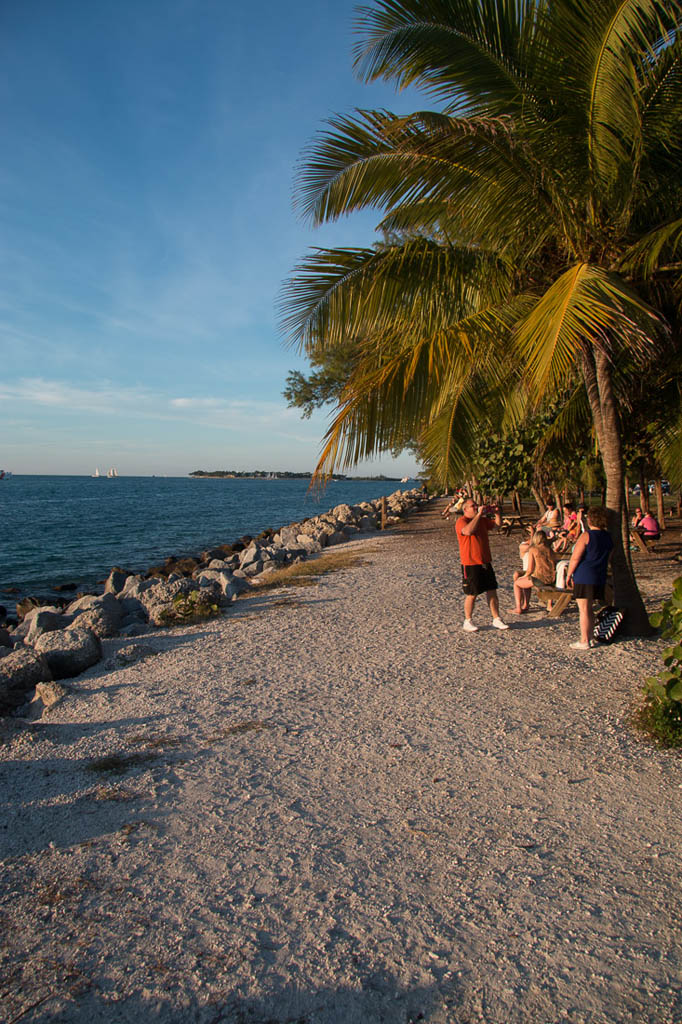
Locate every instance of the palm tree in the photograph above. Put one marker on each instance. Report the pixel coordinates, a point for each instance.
(527, 220)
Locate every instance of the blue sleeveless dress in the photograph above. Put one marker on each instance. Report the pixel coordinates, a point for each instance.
(592, 566)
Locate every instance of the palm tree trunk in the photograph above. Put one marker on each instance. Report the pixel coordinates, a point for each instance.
(599, 385)
(538, 497)
(643, 488)
(658, 487)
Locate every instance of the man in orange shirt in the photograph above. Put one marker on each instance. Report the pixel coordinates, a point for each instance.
(478, 577)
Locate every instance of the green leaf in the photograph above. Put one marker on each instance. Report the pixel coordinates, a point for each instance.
(674, 689)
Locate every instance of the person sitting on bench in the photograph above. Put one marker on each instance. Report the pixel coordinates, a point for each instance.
(550, 520)
(648, 527)
(540, 567)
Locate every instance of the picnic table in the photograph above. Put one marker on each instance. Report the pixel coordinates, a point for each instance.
(509, 522)
(646, 545)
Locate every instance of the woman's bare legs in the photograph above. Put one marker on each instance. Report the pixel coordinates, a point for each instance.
(522, 588)
(586, 613)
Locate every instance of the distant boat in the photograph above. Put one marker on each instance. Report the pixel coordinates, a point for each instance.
(5, 474)
(96, 474)
(112, 474)
(404, 479)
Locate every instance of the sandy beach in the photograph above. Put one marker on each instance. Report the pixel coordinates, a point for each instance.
(333, 806)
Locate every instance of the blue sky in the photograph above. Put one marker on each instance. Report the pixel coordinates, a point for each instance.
(146, 227)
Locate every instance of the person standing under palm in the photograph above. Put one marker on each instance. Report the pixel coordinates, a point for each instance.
(587, 571)
(478, 577)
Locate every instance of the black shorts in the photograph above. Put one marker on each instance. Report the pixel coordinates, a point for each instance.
(590, 591)
(477, 579)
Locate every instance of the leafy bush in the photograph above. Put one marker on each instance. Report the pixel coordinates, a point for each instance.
(188, 608)
(661, 714)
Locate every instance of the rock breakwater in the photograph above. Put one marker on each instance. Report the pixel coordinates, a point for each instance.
(56, 641)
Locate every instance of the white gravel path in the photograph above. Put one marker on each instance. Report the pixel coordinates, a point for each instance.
(345, 809)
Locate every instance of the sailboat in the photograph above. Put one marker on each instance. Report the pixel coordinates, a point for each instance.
(112, 473)
(96, 474)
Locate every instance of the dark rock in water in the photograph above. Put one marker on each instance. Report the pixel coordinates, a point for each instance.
(59, 587)
(28, 603)
(214, 553)
(185, 566)
(9, 590)
(20, 672)
(68, 652)
(238, 546)
(246, 539)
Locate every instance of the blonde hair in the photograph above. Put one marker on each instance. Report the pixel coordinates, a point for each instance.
(540, 540)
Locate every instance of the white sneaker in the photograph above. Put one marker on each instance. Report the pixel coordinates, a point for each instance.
(581, 645)
(499, 624)
(469, 627)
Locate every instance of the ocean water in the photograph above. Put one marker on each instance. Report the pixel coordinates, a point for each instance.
(72, 529)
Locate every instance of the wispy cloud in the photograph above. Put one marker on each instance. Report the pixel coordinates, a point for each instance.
(214, 412)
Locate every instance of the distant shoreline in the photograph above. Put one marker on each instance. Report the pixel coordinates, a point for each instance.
(200, 474)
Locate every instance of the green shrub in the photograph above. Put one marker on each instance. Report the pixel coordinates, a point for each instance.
(187, 608)
(661, 713)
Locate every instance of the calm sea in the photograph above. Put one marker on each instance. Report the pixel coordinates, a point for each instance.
(72, 529)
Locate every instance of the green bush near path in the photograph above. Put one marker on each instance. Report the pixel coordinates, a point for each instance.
(188, 608)
(661, 714)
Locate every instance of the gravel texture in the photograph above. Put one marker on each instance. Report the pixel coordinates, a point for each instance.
(333, 806)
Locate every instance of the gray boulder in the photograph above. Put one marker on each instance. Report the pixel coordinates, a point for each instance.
(135, 586)
(68, 652)
(102, 614)
(308, 544)
(132, 608)
(45, 621)
(343, 513)
(250, 555)
(288, 534)
(20, 671)
(338, 537)
(237, 585)
(116, 581)
(218, 563)
(367, 524)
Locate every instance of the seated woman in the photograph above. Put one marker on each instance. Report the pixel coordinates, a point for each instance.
(540, 567)
(636, 519)
(648, 526)
(570, 531)
(550, 521)
(524, 548)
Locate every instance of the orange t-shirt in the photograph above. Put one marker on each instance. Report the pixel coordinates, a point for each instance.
(474, 549)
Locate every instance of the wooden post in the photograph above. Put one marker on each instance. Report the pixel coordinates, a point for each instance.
(383, 513)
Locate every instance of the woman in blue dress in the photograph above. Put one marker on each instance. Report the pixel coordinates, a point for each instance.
(587, 572)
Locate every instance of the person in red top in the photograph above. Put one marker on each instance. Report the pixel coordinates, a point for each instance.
(472, 530)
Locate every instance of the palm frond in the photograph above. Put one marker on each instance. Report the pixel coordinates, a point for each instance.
(472, 56)
(585, 306)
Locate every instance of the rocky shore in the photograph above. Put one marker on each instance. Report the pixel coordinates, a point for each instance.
(48, 642)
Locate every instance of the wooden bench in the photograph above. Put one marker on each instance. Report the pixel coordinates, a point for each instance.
(562, 598)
